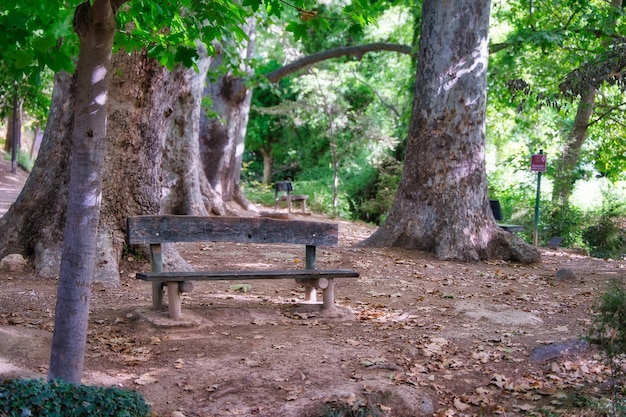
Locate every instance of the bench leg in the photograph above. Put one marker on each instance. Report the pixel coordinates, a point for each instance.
(328, 296)
(157, 296)
(310, 294)
(173, 298)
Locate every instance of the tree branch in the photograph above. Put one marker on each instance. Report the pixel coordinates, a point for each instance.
(357, 51)
(381, 98)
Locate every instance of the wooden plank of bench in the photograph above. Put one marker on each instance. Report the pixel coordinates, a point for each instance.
(171, 228)
(512, 227)
(245, 275)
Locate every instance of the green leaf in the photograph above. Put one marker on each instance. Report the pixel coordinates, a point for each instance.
(23, 59)
(186, 55)
(298, 30)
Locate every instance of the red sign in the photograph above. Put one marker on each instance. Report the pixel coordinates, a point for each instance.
(538, 162)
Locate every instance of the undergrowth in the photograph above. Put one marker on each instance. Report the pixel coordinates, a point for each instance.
(34, 397)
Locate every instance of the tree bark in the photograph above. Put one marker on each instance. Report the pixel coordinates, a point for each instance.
(222, 138)
(95, 26)
(143, 100)
(268, 163)
(565, 176)
(34, 224)
(441, 205)
(185, 188)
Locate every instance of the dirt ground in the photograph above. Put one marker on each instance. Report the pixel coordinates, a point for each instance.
(415, 336)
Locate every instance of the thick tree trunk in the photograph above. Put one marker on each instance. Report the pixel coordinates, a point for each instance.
(143, 99)
(222, 138)
(34, 224)
(441, 205)
(185, 187)
(96, 27)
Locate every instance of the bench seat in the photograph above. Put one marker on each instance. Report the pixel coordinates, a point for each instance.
(246, 275)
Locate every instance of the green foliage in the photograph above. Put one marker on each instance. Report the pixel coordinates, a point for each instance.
(567, 222)
(23, 398)
(259, 193)
(606, 236)
(372, 193)
(608, 332)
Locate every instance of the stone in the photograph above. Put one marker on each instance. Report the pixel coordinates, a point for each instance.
(565, 275)
(13, 263)
(552, 351)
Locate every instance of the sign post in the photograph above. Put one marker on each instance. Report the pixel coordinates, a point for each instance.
(538, 165)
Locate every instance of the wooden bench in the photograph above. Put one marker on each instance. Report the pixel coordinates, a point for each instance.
(155, 230)
(497, 214)
(287, 187)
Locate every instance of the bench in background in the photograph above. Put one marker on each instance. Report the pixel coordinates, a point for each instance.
(155, 230)
(497, 214)
(287, 188)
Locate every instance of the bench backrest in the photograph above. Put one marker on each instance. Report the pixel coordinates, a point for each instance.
(171, 228)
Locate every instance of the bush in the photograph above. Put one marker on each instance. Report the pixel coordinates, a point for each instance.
(607, 237)
(372, 198)
(608, 332)
(32, 397)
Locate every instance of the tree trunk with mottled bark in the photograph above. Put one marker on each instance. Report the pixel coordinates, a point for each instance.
(442, 205)
(222, 138)
(34, 224)
(95, 26)
(565, 176)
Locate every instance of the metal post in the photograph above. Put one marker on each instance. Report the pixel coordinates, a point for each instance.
(536, 228)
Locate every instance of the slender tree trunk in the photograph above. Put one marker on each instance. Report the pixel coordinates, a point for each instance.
(16, 129)
(268, 164)
(96, 27)
(441, 204)
(565, 176)
(33, 146)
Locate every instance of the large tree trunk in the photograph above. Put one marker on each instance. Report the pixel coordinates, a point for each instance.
(142, 102)
(222, 138)
(142, 98)
(96, 27)
(441, 205)
(185, 187)
(34, 224)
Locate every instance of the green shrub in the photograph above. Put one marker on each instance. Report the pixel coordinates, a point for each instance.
(567, 222)
(32, 397)
(606, 238)
(608, 332)
(372, 198)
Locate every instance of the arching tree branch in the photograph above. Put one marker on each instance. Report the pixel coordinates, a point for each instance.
(357, 51)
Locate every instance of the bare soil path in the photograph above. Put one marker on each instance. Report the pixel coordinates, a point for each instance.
(418, 336)
(10, 184)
